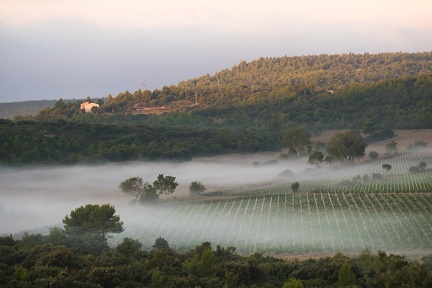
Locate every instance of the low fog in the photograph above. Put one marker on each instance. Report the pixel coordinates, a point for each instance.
(39, 198)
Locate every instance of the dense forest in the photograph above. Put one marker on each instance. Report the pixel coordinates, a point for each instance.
(56, 260)
(27, 142)
(243, 109)
(11, 109)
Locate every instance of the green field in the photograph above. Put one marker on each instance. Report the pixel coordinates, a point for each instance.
(392, 214)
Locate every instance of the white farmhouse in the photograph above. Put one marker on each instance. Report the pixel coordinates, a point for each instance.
(88, 106)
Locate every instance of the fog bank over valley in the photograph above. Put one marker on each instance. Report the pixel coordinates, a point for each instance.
(32, 198)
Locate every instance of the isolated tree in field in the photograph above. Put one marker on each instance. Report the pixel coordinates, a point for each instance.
(346, 146)
(297, 140)
(93, 220)
(316, 158)
(391, 148)
(165, 185)
(196, 188)
(387, 167)
(133, 186)
(144, 192)
(295, 186)
(419, 168)
(373, 155)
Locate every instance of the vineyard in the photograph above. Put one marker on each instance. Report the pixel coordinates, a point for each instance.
(392, 213)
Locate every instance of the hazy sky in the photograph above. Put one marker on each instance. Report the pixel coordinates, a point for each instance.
(53, 49)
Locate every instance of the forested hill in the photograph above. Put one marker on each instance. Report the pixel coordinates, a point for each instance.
(304, 75)
(272, 82)
(10, 109)
(245, 109)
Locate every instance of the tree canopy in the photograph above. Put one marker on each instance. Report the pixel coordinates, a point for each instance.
(144, 192)
(316, 158)
(346, 146)
(196, 187)
(165, 185)
(297, 140)
(133, 186)
(93, 219)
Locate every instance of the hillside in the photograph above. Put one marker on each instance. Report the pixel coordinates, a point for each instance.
(226, 113)
(11, 109)
(279, 78)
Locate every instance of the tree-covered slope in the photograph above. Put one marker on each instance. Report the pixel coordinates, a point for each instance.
(288, 76)
(11, 109)
(244, 109)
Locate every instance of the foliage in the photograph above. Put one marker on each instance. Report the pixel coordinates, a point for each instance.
(28, 142)
(373, 155)
(144, 192)
(165, 185)
(386, 167)
(149, 194)
(346, 275)
(127, 265)
(295, 186)
(346, 146)
(316, 158)
(12, 109)
(379, 135)
(128, 246)
(297, 140)
(92, 220)
(417, 145)
(196, 187)
(236, 113)
(419, 168)
(390, 270)
(293, 283)
(133, 186)
(160, 243)
(391, 148)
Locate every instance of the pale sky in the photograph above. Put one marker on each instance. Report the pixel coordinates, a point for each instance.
(51, 49)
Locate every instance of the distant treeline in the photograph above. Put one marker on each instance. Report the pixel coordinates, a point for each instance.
(26, 142)
(11, 109)
(402, 103)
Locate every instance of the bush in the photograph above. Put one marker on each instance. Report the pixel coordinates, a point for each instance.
(295, 186)
(196, 188)
(417, 145)
(419, 168)
(373, 155)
